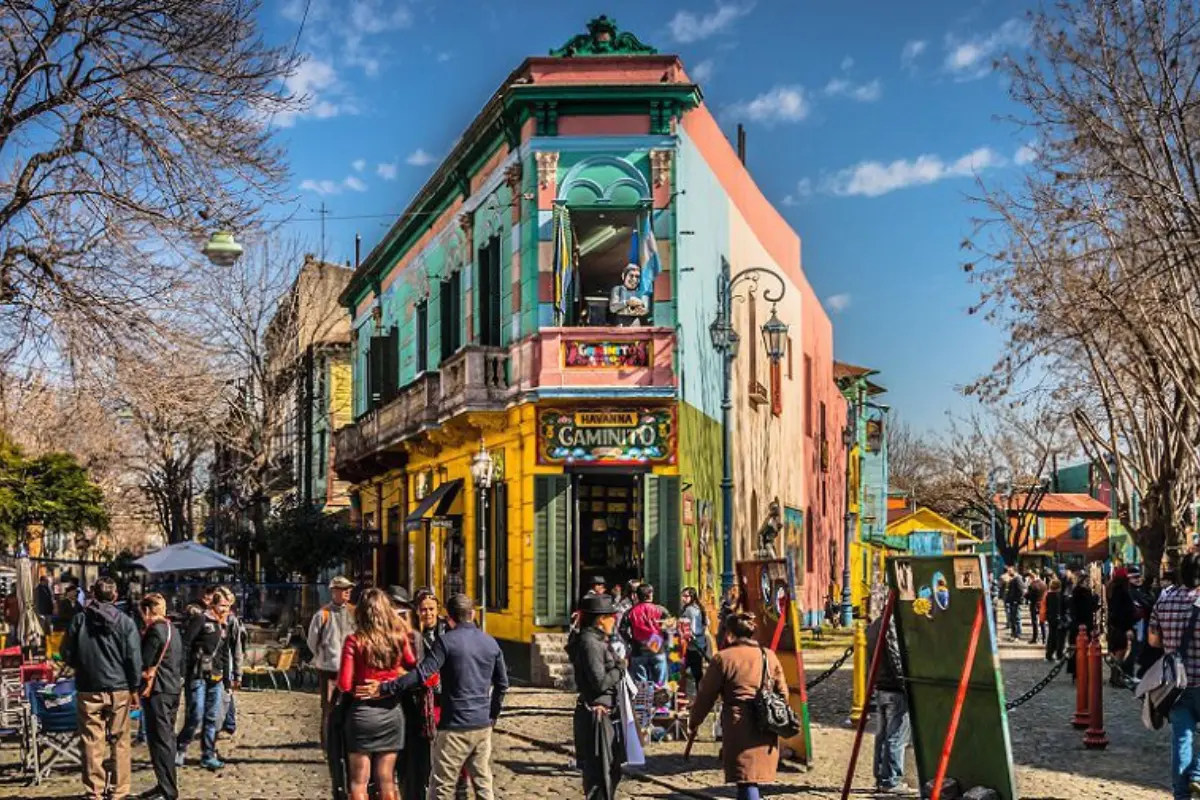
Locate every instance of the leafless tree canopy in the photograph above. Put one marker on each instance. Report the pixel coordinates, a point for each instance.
(127, 128)
(1092, 266)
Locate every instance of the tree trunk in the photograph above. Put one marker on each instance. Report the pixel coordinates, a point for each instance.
(1151, 541)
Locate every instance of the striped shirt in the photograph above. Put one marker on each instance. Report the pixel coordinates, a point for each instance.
(1169, 619)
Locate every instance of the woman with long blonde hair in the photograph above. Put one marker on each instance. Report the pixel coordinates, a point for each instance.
(379, 650)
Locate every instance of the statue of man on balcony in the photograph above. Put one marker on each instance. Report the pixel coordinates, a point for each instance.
(627, 306)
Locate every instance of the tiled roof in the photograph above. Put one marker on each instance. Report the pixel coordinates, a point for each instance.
(1061, 503)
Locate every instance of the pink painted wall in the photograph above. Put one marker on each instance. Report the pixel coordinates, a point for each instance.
(778, 457)
(596, 125)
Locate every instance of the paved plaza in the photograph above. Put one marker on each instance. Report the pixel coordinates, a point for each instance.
(275, 754)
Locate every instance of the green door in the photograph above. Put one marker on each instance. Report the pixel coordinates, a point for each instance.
(552, 562)
(664, 567)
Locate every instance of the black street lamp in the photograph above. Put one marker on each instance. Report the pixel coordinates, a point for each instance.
(725, 341)
(482, 467)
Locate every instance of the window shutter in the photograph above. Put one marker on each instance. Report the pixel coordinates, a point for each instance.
(551, 545)
(661, 512)
(498, 594)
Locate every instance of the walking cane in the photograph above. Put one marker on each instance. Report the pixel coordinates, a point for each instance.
(687, 751)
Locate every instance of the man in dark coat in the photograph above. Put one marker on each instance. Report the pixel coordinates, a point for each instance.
(599, 747)
(162, 683)
(104, 649)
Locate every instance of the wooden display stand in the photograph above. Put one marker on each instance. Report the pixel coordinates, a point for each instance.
(767, 593)
(951, 663)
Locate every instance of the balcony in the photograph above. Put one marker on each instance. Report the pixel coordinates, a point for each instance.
(473, 379)
(583, 361)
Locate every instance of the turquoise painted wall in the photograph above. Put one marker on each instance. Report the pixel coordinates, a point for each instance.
(704, 209)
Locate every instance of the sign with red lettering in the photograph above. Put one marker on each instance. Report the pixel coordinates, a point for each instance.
(582, 353)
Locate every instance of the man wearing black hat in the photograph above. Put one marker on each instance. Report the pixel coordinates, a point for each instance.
(599, 746)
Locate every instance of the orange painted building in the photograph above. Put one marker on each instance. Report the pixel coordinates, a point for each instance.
(1072, 526)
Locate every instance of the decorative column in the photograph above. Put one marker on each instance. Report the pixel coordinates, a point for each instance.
(547, 190)
(466, 226)
(514, 176)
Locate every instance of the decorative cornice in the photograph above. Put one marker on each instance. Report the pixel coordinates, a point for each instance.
(603, 38)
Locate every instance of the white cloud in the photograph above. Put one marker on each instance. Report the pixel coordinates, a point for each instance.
(847, 64)
(419, 158)
(703, 72)
(322, 187)
(1025, 155)
(913, 48)
(351, 30)
(316, 85)
(862, 92)
(780, 104)
(326, 186)
(968, 59)
(373, 16)
(790, 200)
(687, 27)
(442, 58)
(838, 303)
(386, 170)
(874, 178)
(358, 164)
(804, 187)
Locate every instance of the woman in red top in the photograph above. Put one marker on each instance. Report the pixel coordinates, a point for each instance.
(378, 650)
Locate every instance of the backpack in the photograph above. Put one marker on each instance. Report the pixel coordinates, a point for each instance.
(1165, 681)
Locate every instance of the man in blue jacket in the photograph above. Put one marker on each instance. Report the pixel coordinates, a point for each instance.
(474, 681)
(105, 650)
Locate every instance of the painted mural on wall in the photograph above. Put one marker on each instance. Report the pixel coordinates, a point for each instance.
(607, 436)
(793, 546)
(586, 353)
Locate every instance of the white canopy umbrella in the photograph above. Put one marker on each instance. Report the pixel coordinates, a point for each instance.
(185, 557)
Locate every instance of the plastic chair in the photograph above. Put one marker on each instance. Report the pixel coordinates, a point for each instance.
(283, 662)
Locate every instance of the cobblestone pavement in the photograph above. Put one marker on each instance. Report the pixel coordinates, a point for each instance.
(276, 756)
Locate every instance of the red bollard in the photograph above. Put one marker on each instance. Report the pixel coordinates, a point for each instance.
(1095, 738)
(1082, 719)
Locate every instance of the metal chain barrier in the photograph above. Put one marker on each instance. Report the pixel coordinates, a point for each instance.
(1042, 684)
(810, 685)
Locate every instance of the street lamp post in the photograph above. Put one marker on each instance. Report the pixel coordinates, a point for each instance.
(995, 550)
(222, 249)
(725, 341)
(849, 435)
(481, 473)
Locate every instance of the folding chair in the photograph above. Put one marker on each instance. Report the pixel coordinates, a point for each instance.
(53, 726)
(15, 724)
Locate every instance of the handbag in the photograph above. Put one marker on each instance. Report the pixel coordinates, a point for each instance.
(771, 709)
(1166, 680)
(152, 673)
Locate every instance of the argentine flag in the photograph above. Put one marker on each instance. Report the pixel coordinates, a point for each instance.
(648, 254)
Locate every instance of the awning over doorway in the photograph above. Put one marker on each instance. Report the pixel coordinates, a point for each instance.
(436, 503)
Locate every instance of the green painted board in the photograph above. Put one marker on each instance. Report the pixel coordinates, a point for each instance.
(936, 602)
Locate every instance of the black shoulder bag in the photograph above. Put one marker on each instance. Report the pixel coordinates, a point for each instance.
(771, 709)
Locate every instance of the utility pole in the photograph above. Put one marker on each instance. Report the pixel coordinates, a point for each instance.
(322, 212)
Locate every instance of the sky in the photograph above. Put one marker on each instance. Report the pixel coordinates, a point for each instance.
(869, 125)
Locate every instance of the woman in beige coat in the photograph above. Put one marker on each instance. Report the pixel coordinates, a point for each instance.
(734, 675)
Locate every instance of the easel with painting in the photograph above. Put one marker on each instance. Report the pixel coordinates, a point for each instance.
(767, 592)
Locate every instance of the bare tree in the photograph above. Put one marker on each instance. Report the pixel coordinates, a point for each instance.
(912, 462)
(1092, 266)
(995, 463)
(258, 320)
(124, 126)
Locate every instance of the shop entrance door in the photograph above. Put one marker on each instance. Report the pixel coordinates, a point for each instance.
(609, 529)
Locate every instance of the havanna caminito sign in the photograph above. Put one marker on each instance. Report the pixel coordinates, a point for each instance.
(606, 437)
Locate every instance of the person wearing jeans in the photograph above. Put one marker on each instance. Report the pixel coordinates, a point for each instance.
(892, 726)
(644, 621)
(1173, 627)
(206, 659)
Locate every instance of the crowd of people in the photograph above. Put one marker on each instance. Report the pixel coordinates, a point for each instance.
(622, 637)
(409, 695)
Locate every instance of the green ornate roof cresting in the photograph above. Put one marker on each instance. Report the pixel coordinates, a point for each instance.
(604, 39)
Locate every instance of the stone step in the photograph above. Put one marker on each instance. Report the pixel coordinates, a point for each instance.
(550, 666)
